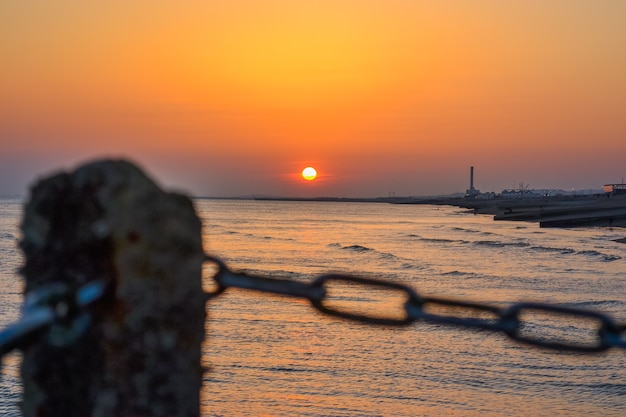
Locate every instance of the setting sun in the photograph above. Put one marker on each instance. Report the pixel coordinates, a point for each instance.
(309, 173)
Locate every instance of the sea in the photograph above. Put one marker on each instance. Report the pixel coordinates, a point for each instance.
(275, 355)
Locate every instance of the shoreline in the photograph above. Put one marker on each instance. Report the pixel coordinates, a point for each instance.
(563, 211)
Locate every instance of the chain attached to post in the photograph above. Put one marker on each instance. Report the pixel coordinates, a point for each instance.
(54, 312)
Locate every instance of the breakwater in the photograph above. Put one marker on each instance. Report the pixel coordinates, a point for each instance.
(583, 211)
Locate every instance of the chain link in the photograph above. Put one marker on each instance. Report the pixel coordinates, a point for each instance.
(543, 325)
(61, 315)
(54, 312)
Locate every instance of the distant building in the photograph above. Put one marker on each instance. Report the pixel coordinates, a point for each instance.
(486, 196)
(472, 192)
(521, 193)
(614, 189)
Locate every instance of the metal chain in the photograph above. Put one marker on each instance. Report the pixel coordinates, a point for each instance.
(62, 315)
(543, 325)
(55, 312)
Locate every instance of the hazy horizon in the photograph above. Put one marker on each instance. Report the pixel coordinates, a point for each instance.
(236, 98)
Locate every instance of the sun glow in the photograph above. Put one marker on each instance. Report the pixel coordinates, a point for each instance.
(309, 173)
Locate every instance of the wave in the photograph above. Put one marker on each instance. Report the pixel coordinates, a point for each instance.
(602, 256)
(441, 240)
(386, 256)
(499, 244)
(519, 244)
(287, 369)
(462, 229)
(434, 239)
(456, 273)
(600, 304)
(412, 266)
(279, 273)
(590, 252)
(548, 249)
(488, 243)
(472, 231)
(357, 248)
(249, 235)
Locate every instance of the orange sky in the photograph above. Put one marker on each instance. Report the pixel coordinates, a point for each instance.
(236, 97)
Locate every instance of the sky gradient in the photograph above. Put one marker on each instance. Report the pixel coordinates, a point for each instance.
(398, 96)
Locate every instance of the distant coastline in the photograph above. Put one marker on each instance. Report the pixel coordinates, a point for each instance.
(591, 210)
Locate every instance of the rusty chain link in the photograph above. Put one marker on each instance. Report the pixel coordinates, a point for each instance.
(543, 325)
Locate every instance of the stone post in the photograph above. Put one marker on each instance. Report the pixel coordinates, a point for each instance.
(141, 354)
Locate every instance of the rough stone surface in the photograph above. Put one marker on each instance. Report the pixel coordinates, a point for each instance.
(142, 353)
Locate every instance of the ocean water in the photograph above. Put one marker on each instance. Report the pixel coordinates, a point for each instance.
(274, 355)
(10, 299)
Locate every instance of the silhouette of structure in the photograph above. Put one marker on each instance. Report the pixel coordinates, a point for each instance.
(614, 189)
(472, 192)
